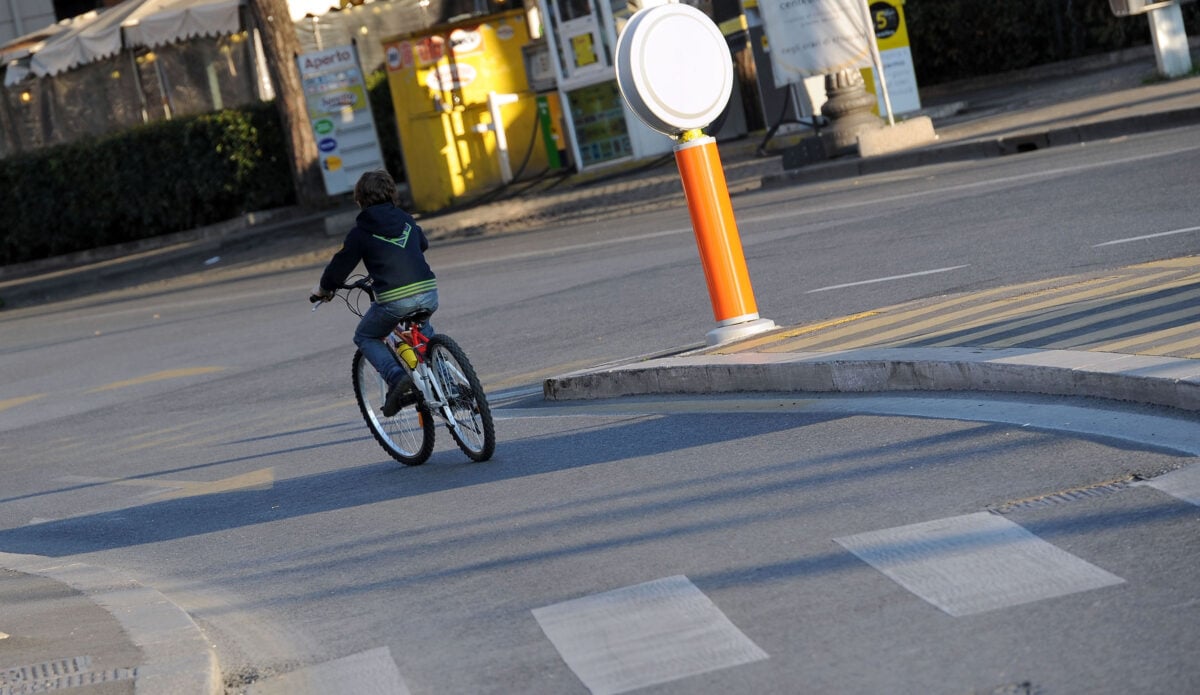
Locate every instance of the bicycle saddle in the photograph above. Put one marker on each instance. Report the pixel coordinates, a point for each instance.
(418, 316)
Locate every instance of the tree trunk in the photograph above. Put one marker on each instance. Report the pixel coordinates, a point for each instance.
(281, 47)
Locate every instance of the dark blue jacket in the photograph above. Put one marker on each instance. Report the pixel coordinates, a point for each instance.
(391, 245)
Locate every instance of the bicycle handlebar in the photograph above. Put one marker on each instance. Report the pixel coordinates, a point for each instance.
(363, 283)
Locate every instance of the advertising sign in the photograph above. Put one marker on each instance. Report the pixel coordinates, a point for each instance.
(814, 37)
(340, 113)
(891, 33)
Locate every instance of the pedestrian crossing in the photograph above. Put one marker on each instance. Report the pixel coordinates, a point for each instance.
(1183, 484)
(642, 635)
(1146, 309)
(667, 629)
(975, 563)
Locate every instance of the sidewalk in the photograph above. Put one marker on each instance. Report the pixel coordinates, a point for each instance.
(158, 644)
(68, 624)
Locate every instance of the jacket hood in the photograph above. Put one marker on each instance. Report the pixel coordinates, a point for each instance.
(385, 220)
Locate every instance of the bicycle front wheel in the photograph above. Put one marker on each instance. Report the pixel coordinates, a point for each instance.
(472, 430)
(408, 435)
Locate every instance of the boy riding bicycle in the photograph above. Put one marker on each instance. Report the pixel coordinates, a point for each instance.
(390, 244)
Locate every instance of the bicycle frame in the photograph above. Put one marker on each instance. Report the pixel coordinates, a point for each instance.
(409, 333)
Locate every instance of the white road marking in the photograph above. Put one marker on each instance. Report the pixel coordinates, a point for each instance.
(1182, 484)
(889, 278)
(645, 634)
(371, 671)
(1147, 236)
(975, 563)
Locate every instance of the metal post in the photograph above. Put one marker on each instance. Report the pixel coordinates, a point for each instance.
(717, 239)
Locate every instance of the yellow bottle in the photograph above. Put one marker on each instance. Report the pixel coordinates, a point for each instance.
(407, 354)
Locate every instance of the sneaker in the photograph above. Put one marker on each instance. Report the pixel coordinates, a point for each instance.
(402, 393)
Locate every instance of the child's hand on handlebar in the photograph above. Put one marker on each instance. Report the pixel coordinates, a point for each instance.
(319, 294)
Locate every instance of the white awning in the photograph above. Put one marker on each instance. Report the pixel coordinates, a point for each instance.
(160, 22)
(132, 23)
(90, 41)
(15, 54)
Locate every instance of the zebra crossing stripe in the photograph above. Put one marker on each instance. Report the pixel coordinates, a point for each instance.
(1182, 484)
(371, 671)
(975, 563)
(645, 634)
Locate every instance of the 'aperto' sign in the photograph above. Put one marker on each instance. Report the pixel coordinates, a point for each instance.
(340, 113)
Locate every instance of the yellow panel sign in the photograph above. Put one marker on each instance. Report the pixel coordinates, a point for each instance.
(585, 52)
(891, 31)
(891, 35)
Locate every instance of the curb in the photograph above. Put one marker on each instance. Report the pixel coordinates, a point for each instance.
(176, 657)
(985, 148)
(1158, 381)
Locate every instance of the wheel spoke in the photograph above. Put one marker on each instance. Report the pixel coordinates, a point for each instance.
(408, 435)
(471, 424)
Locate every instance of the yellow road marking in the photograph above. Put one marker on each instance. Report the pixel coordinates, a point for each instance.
(20, 400)
(497, 383)
(1089, 319)
(982, 316)
(1149, 338)
(175, 489)
(1178, 346)
(908, 314)
(753, 343)
(157, 376)
(978, 317)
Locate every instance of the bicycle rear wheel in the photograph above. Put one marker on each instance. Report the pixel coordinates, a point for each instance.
(408, 435)
(473, 430)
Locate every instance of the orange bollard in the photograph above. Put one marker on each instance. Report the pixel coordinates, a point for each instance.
(716, 232)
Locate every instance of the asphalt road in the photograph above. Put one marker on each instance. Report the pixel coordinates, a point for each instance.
(203, 439)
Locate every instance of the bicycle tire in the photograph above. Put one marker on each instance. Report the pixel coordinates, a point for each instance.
(408, 435)
(475, 433)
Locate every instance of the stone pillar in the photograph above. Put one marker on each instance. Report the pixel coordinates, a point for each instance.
(848, 111)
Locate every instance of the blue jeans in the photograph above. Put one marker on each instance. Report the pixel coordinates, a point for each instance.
(379, 320)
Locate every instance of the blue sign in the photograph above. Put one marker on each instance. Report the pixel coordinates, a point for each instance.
(327, 145)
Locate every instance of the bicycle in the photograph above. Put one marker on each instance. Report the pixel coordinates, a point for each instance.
(446, 385)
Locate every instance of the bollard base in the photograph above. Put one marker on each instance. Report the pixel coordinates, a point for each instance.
(727, 334)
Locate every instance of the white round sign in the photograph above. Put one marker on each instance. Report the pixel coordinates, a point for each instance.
(674, 68)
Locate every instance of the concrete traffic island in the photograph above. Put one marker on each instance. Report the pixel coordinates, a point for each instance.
(1161, 381)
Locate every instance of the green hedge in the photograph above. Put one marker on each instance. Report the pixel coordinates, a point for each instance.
(958, 39)
(156, 179)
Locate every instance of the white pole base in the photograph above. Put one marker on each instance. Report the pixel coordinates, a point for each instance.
(727, 334)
